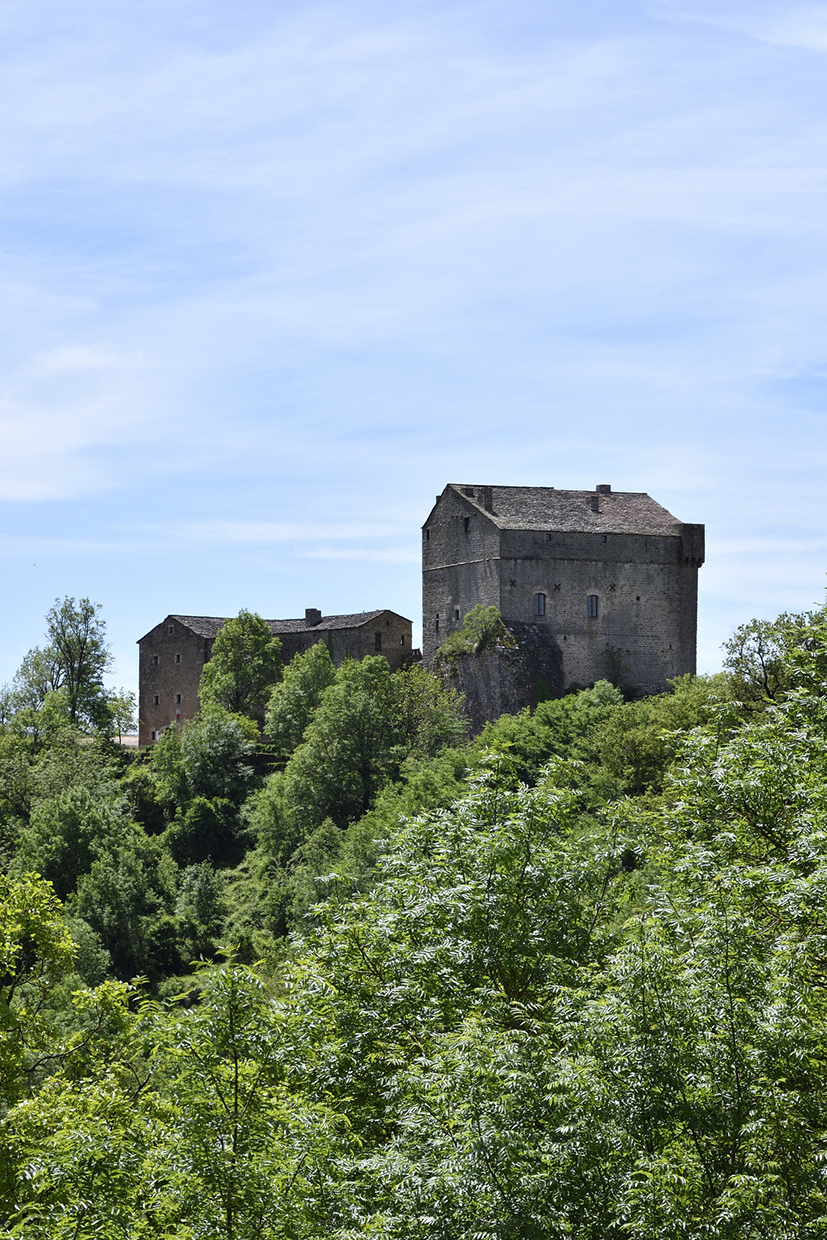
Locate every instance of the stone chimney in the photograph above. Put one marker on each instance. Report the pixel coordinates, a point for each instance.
(312, 616)
(595, 503)
(603, 488)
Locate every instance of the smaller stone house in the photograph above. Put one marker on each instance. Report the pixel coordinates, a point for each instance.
(173, 654)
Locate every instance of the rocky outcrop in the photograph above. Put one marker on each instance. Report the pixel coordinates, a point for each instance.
(501, 680)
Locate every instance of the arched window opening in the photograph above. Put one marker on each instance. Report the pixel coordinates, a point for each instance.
(539, 604)
(591, 606)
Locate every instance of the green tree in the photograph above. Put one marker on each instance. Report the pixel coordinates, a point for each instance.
(119, 714)
(294, 700)
(244, 665)
(79, 655)
(36, 950)
(66, 833)
(352, 747)
(181, 1122)
(759, 656)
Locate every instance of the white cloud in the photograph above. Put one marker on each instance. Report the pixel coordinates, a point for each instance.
(252, 532)
(73, 357)
(769, 21)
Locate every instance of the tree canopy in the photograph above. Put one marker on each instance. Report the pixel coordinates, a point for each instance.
(244, 665)
(562, 980)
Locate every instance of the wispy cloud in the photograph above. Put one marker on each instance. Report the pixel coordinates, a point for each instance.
(769, 21)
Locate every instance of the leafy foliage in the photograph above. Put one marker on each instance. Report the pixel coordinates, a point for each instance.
(244, 665)
(482, 628)
(295, 699)
(566, 979)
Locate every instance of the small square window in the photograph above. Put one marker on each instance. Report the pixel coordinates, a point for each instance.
(548, 537)
(170, 628)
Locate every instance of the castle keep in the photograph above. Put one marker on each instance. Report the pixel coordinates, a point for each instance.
(173, 654)
(593, 585)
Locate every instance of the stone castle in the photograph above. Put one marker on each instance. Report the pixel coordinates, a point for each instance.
(593, 585)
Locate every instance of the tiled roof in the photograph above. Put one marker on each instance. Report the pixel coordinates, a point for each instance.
(204, 626)
(208, 626)
(546, 508)
(327, 622)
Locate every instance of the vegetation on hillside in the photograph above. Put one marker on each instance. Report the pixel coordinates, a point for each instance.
(318, 963)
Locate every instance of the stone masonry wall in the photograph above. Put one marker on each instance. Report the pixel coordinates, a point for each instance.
(171, 659)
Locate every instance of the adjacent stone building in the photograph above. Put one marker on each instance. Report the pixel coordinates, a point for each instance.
(173, 654)
(593, 584)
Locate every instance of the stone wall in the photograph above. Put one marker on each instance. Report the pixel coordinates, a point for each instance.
(171, 659)
(394, 634)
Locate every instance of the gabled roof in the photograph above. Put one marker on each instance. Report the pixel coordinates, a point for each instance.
(208, 626)
(546, 508)
(353, 621)
(204, 626)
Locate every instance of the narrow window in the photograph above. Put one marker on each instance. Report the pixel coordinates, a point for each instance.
(539, 604)
(427, 535)
(178, 658)
(155, 660)
(377, 641)
(467, 524)
(436, 624)
(591, 604)
(170, 628)
(178, 699)
(548, 537)
(604, 537)
(157, 699)
(402, 640)
(456, 613)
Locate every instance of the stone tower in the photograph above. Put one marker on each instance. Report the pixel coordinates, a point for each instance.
(596, 584)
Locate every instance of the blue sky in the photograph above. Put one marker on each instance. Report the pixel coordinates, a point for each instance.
(274, 274)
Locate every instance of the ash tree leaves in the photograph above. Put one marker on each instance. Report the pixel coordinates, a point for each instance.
(35, 950)
(182, 1124)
